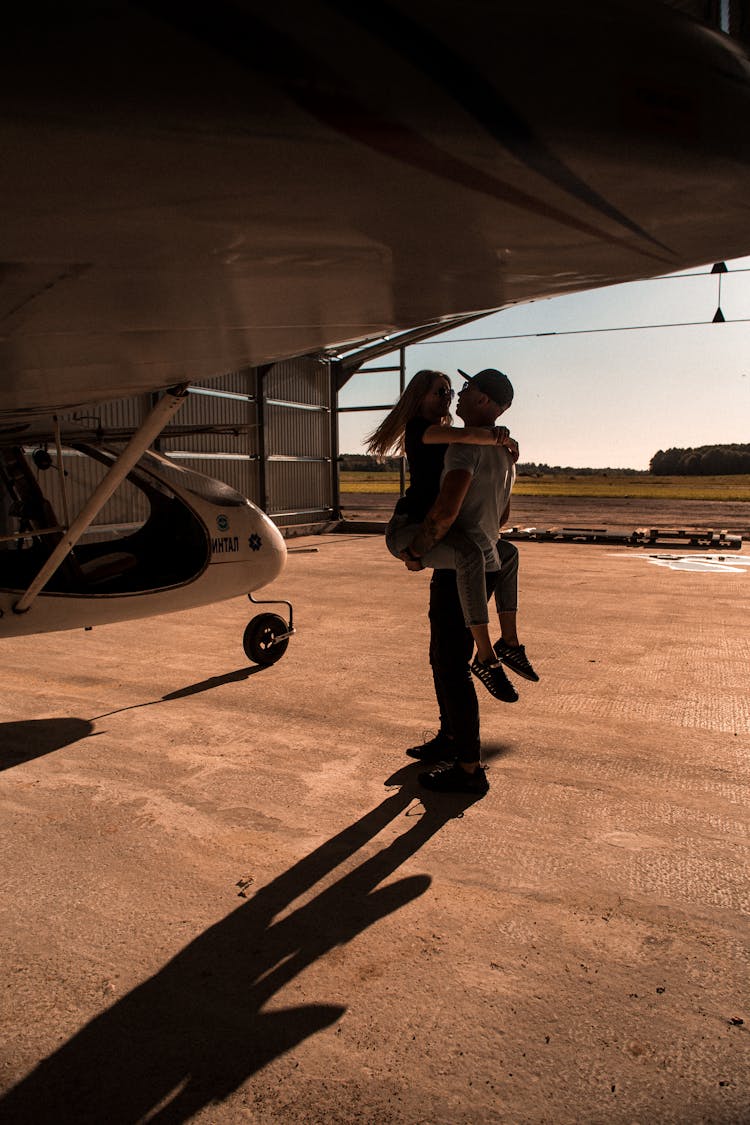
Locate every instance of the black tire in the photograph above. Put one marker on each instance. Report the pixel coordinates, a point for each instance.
(259, 640)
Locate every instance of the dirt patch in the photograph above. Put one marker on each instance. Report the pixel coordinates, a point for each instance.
(570, 511)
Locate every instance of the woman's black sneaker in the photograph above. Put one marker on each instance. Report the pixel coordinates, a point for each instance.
(494, 679)
(437, 749)
(455, 779)
(515, 658)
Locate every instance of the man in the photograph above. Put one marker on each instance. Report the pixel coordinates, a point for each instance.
(474, 496)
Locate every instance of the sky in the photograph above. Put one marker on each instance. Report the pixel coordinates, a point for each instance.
(600, 399)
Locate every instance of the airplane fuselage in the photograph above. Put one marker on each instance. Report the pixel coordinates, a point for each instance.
(201, 543)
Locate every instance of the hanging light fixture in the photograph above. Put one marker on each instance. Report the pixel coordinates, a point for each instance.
(719, 268)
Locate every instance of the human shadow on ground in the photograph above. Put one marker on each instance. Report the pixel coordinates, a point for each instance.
(200, 1027)
(33, 738)
(27, 739)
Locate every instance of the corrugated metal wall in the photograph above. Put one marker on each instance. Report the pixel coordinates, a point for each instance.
(82, 475)
(127, 506)
(298, 457)
(264, 431)
(219, 432)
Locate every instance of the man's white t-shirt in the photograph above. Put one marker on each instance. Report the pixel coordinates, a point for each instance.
(492, 475)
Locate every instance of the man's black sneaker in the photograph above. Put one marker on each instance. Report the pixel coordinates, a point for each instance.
(455, 779)
(494, 679)
(515, 658)
(437, 749)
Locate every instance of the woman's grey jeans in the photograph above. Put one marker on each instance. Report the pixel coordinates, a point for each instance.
(454, 552)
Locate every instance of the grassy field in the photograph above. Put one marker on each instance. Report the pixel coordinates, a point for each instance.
(640, 487)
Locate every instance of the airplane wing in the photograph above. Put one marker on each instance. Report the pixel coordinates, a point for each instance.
(188, 189)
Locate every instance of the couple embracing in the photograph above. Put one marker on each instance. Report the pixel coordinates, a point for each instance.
(460, 481)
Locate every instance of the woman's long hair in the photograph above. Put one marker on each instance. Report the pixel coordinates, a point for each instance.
(389, 436)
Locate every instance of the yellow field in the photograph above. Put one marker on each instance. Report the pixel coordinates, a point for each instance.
(641, 487)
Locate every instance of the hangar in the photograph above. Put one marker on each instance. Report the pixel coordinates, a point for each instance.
(269, 432)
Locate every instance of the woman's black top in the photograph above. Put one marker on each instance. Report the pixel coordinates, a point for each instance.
(425, 468)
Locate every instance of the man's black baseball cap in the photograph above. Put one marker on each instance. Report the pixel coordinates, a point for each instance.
(492, 383)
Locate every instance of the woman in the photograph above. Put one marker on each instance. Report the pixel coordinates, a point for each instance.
(420, 423)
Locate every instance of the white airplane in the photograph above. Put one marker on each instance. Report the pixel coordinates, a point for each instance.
(200, 542)
(189, 189)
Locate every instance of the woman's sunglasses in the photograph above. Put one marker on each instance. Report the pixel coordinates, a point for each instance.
(444, 392)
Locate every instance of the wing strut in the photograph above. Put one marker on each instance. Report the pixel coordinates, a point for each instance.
(165, 408)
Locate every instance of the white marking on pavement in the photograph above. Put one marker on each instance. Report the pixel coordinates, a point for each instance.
(716, 564)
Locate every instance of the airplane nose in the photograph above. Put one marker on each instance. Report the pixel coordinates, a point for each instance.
(279, 547)
(273, 548)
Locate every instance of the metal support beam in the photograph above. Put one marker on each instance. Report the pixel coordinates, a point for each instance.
(260, 416)
(61, 472)
(401, 389)
(17, 535)
(164, 409)
(350, 364)
(335, 481)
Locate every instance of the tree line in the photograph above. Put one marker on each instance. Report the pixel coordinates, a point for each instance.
(364, 462)
(703, 461)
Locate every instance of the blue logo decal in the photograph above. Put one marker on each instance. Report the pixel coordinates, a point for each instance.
(222, 523)
(254, 542)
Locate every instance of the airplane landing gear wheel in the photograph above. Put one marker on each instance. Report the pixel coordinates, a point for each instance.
(266, 638)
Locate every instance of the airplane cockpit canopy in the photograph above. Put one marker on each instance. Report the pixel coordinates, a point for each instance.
(168, 546)
(163, 470)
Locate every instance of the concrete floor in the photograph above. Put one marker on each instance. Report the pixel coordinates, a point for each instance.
(224, 901)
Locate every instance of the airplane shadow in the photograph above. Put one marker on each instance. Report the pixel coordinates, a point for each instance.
(27, 739)
(33, 738)
(199, 1028)
(192, 689)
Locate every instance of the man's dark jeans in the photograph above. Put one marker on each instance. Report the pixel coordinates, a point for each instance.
(451, 646)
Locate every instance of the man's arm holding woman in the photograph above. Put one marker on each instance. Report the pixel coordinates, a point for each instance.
(440, 518)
